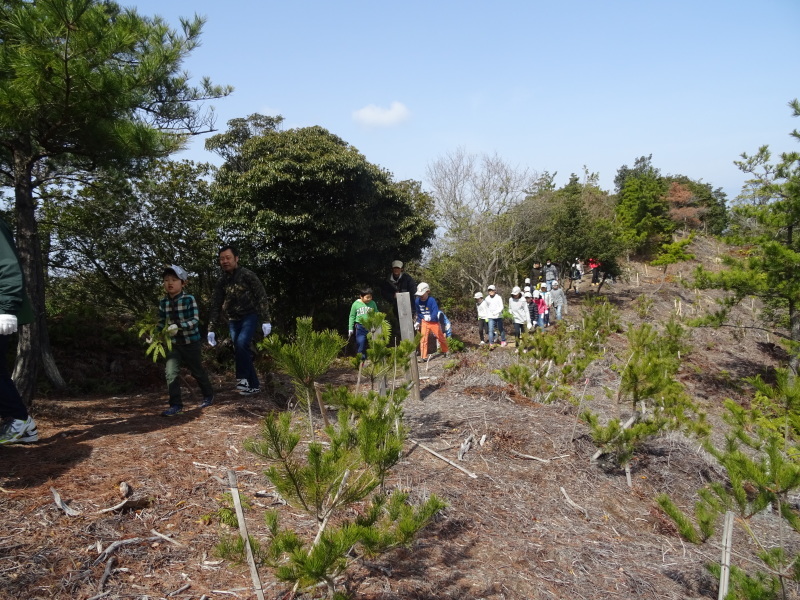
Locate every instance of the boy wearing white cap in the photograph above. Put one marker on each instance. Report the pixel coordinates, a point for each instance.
(518, 307)
(427, 311)
(178, 312)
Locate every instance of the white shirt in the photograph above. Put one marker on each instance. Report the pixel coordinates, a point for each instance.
(494, 306)
(482, 312)
(519, 310)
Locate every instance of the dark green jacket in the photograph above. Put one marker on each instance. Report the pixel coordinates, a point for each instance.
(238, 295)
(13, 299)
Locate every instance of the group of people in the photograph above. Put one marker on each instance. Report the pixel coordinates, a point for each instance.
(529, 307)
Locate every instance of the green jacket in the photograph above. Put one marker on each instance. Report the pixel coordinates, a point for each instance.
(13, 299)
(238, 295)
(359, 312)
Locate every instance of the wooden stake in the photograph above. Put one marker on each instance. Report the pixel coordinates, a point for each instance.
(727, 539)
(318, 390)
(237, 503)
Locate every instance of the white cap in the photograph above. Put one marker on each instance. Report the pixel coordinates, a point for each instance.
(527, 280)
(177, 271)
(398, 264)
(527, 288)
(537, 294)
(555, 283)
(515, 290)
(527, 294)
(422, 288)
(491, 287)
(478, 296)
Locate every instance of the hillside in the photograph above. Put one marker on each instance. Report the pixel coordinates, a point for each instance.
(521, 529)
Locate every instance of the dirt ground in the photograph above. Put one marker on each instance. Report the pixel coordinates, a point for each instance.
(521, 528)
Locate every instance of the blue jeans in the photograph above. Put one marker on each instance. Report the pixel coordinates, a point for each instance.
(558, 312)
(242, 332)
(361, 341)
(498, 324)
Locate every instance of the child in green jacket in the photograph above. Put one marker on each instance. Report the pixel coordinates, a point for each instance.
(358, 313)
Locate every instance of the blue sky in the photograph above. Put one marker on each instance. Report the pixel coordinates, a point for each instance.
(551, 86)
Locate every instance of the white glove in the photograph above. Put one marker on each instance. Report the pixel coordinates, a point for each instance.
(350, 333)
(172, 329)
(266, 328)
(427, 317)
(212, 338)
(416, 325)
(8, 324)
(530, 326)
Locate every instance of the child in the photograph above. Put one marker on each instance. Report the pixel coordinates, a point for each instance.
(548, 300)
(178, 311)
(427, 311)
(494, 310)
(358, 313)
(518, 307)
(483, 316)
(541, 308)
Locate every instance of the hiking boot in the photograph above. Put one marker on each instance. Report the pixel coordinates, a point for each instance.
(172, 411)
(15, 431)
(248, 391)
(241, 384)
(207, 401)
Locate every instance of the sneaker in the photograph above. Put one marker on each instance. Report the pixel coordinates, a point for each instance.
(207, 401)
(32, 435)
(14, 431)
(172, 411)
(482, 342)
(248, 391)
(503, 344)
(241, 384)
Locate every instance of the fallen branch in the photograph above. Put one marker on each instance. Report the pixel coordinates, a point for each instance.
(62, 505)
(577, 507)
(105, 554)
(183, 588)
(625, 426)
(106, 573)
(465, 446)
(130, 503)
(165, 537)
(447, 460)
(528, 456)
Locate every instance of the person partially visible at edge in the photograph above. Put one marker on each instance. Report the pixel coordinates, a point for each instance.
(594, 265)
(358, 314)
(494, 310)
(483, 317)
(398, 281)
(240, 297)
(178, 312)
(15, 309)
(427, 311)
(550, 272)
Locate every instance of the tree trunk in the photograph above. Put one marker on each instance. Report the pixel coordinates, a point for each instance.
(33, 348)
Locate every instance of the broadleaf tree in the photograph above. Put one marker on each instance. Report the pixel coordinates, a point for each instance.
(312, 215)
(85, 83)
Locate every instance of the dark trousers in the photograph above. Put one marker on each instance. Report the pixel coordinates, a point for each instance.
(483, 327)
(11, 404)
(187, 355)
(242, 332)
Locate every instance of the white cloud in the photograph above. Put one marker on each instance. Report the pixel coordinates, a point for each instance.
(376, 116)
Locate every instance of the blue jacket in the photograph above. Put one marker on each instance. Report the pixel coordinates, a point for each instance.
(428, 310)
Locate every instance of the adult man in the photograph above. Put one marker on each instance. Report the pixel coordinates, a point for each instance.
(15, 309)
(398, 281)
(240, 296)
(550, 272)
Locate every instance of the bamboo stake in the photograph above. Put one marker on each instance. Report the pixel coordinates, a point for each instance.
(318, 390)
(237, 503)
(727, 539)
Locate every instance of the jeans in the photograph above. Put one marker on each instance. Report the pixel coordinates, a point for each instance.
(189, 356)
(361, 340)
(496, 324)
(11, 404)
(558, 312)
(242, 332)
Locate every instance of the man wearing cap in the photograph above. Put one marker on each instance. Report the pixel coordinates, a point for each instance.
(398, 281)
(494, 310)
(550, 272)
(178, 312)
(241, 298)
